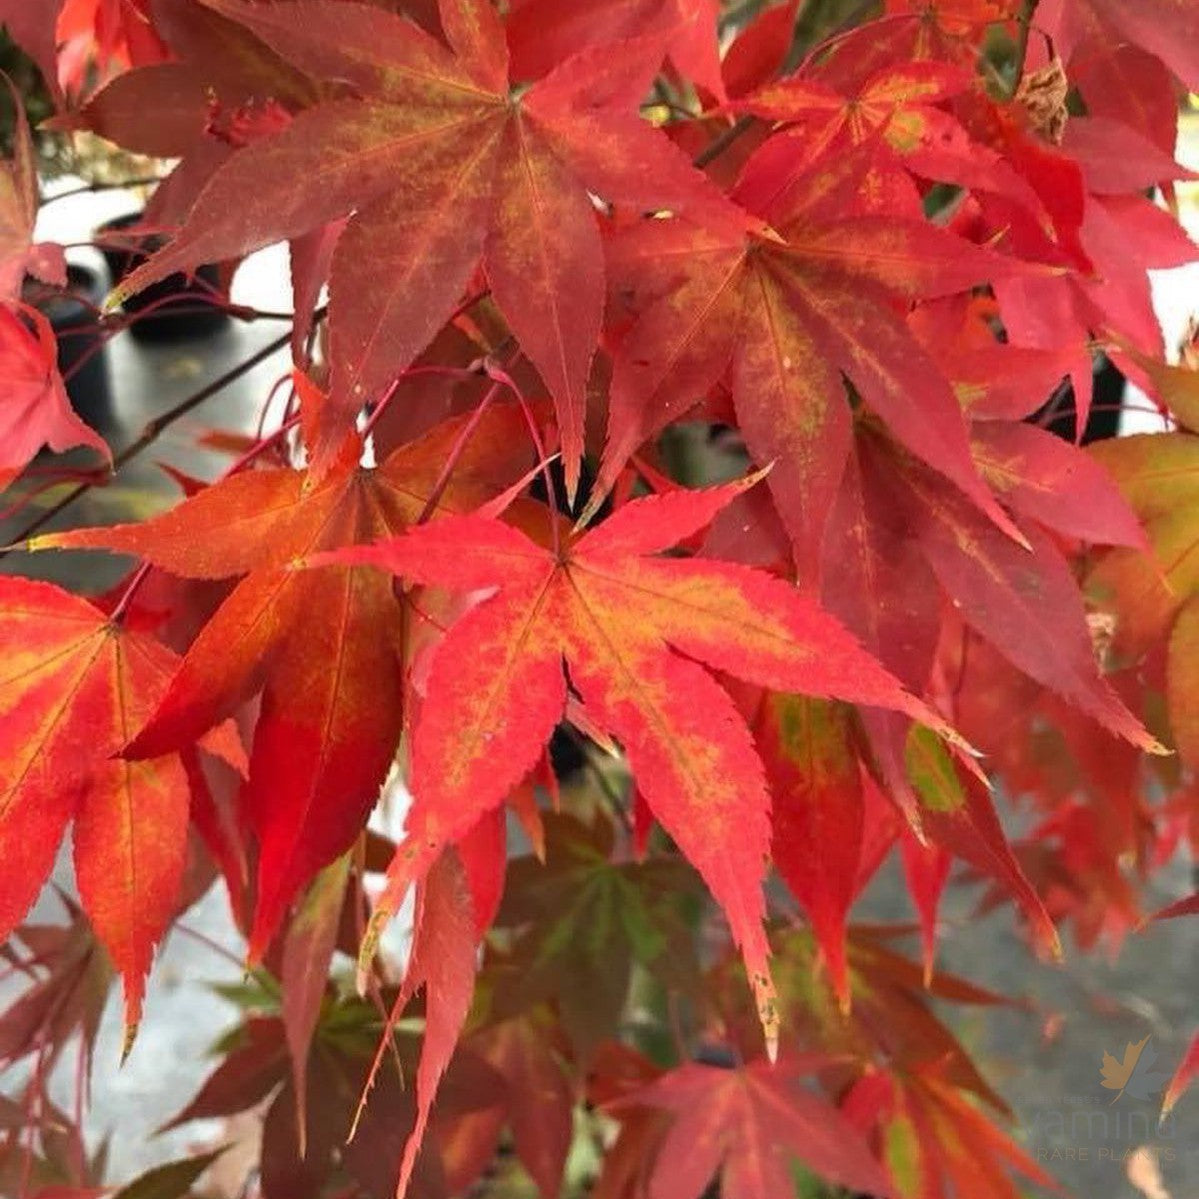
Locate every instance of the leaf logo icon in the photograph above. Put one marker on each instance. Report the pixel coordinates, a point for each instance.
(1134, 1072)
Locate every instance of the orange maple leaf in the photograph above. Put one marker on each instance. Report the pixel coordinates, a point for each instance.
(632, 630)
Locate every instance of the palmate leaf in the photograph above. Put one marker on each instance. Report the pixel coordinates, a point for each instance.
(118, 33)
(917, 1091)
(583, 920)
(747, 1124)
(19, 255)
(253, 1073)
(542, 33)
(448, 927)
(891, 1016)
(943, 30)
(323, 648)
(444, 165)
(443, 964)
(196, 107)
(907, 107)
(74, 688)
(632, 629)
(34, 408)
(790, 316)
(1046, 478)
(69, 982)
(484, 182)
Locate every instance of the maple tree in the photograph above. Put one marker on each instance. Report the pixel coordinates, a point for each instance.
(665, 508)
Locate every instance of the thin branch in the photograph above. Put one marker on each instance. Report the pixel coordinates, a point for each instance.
(118, 613)
(112, 326)
(239, 312)
(120, 185)
(552, 498)
(798, 60)
(209, 943)
(264, 443)
(456, 450)
(716, 148)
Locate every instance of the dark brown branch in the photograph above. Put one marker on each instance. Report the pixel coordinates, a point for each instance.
(716, 148)
(120, 185)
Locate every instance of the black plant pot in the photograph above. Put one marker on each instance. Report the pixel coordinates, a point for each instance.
(177, 307)
(74, 316)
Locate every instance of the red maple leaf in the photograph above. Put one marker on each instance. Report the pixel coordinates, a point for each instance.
(632, 630)
(74, 688)
(445, 164)
(324, 648)
(748, 1124)
(790, 316)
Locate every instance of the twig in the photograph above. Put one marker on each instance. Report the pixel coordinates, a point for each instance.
(552, 498)
(798, 60)
(84, 189)
(716, 148)
(209, 943)
(456, 450)
(118, 613)
(112, 326)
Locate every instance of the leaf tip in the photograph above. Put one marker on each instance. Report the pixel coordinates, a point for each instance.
(370, 946)
(131, 1030)
(768, 1012)
(772, 1046)
(755, 477)
(590, 508)
(1050, 940)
